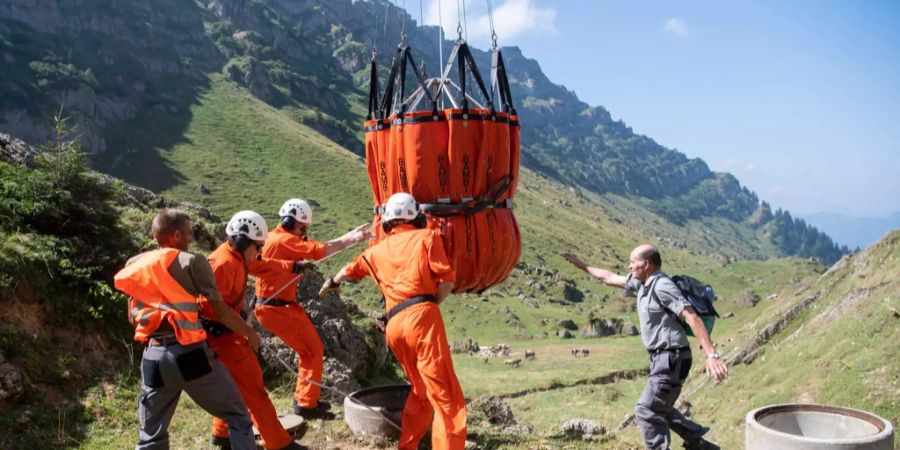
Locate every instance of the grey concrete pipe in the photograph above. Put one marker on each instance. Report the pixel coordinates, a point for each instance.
(816, 427)
(388, 400)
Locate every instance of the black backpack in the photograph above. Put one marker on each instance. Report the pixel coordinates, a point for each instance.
(699, 295)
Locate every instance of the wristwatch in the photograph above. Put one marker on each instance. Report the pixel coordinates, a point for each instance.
(713, 355)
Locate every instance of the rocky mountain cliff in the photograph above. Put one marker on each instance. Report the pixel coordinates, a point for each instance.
(128, 73)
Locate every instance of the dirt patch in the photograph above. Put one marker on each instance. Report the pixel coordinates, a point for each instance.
(609, 378)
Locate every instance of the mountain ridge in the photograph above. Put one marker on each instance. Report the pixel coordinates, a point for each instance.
(128, 73)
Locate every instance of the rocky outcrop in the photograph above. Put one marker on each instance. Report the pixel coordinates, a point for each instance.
(12, 384)
(348, 354)
(746, 299)
(16, 151)
(583, 429)
(602, 327)
(496, 410)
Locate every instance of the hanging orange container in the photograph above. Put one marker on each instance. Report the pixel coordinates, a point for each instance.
(460, 163)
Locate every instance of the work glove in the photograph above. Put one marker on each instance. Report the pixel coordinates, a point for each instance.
(302, 266)
(329, 286)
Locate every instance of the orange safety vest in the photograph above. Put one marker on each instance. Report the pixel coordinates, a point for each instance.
(156, 296)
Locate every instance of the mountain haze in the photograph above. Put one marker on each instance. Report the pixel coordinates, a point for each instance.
(855, 231)
(129, 72)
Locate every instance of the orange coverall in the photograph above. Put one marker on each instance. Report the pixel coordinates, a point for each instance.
(408, 263)
(291, 323)
(233, 350)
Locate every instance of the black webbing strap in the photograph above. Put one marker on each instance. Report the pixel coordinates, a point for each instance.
(373, 92)
(501, 81)
(407, 304)
(464, 59)
(214, 327)
(272, 302)
(420, 78)
(398, 68)
(471, 206)
(387, 100)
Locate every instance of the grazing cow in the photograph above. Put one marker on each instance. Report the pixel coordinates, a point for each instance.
(484, 359)
(581, 352)
(513, 362)
(529, 354)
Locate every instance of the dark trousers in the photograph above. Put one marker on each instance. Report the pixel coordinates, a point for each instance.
(655, 411)
(168, 370)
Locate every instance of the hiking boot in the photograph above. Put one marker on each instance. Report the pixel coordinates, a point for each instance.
(220, 443)
(323, 405)
(321, 411)
(701, 444)
(294, 446)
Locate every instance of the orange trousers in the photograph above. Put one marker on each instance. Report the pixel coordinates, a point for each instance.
(292, 325)
(418, 339)
(236, 355)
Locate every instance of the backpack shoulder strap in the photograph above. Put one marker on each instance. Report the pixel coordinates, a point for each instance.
(655, 297)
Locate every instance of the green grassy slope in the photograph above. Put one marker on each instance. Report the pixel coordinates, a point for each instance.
(841, 351)
(251, 156)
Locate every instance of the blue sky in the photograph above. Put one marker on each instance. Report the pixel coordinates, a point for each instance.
(800, 100)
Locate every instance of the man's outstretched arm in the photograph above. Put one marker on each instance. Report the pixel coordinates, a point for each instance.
(606, 277)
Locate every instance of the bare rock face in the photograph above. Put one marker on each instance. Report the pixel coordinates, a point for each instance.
(12, 383)
(15, 151)
(497, 411)
(564, 334)
(339, 377)
(348, 353)
(746, 299)
(602, 327)
(583, 429)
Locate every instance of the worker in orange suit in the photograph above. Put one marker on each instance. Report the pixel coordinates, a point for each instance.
(231, 262)
(276, 300)
(411, 268)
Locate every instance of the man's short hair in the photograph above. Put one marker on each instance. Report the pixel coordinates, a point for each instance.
(167, 222)
(652, 255)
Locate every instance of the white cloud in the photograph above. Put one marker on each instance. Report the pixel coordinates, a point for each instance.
(751, 166)
(512, 18)
(728, 164)
(675, 27)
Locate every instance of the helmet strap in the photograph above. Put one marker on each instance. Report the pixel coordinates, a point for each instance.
(240, 242)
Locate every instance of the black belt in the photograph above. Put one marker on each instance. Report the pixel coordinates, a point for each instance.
(162, 341)
(668, 350)
(215, 328)
(272, 302)
(408, 303)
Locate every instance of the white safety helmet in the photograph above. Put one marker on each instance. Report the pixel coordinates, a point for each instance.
(248, 223)
(400, 206)
(298, 209)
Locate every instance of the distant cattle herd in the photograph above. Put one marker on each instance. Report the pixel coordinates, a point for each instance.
(486, 353)
(581, 352)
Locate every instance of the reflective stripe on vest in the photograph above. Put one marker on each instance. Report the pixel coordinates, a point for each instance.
(156, 296)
